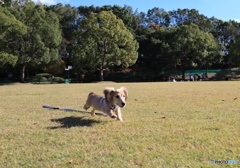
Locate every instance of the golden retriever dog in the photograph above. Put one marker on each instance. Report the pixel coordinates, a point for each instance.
(110, 103)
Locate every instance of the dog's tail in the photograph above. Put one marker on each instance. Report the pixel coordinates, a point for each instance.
(90, 94)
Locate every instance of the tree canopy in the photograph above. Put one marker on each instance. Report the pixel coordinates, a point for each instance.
(194, 47)
(11, 29)
(104, 41)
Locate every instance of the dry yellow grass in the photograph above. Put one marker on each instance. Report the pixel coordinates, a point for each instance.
(165, 125)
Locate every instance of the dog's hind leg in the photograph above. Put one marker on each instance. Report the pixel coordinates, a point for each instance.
(87, 105)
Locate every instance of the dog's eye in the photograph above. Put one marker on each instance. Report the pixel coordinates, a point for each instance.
(117, 96)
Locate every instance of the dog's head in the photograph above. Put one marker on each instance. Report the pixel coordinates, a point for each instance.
(117, 97)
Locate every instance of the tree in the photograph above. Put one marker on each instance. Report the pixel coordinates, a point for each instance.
(227, 34)
(68, 19)
(234, 51)
(103, 42)
(194, 47)
(10, 29)
(40, 45)
(158, 17)
(127, 15)
(155, 48)
(11, 3)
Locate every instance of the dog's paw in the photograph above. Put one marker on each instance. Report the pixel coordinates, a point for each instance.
(85, 107)
(119, 119)
(113, 116)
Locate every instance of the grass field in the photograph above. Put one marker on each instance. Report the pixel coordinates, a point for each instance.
(182, 124)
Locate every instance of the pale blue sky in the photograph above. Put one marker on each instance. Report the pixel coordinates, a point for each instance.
(222, 9)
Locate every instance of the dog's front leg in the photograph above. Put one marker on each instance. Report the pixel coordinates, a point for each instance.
(119, 114)
(93, 112)
(112, 114)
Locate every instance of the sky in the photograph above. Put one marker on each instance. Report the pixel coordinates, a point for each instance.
(221, 9)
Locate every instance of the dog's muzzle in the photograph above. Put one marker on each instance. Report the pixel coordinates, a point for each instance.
(122, 105)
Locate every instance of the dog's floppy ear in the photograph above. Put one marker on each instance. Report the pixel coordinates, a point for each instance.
(125, 91)
(109, 93)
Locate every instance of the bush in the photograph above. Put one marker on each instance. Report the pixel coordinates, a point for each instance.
(38, 79)
(58, 80)
(43, 79)
(46, 75)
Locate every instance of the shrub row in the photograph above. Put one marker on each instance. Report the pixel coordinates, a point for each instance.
(47, 78)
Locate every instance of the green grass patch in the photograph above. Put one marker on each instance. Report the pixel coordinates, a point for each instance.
(182, 124)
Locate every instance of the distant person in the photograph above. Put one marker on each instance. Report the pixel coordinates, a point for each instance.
(191, 77)
(197, 77)
(203, 76)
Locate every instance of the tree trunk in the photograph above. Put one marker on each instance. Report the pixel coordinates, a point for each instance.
(183, 68)
(183, 73)
(23, 74)
(182, 56)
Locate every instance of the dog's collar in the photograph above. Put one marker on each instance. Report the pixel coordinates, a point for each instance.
(101, 104)
(111, 107)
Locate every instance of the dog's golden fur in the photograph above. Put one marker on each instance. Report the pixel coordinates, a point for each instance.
(110, 103)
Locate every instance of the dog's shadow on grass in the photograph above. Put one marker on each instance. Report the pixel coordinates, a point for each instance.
(68, 122)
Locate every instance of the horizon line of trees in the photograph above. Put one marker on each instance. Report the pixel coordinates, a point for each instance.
(36, 38)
